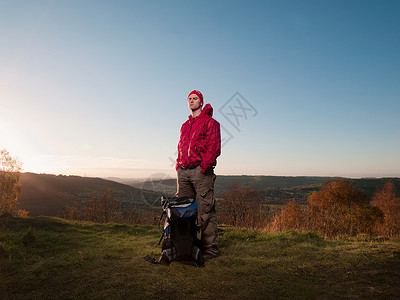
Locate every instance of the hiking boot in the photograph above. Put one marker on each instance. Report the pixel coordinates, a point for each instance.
(208, 256)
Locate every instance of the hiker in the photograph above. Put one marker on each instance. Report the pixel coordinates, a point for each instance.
(198, 148)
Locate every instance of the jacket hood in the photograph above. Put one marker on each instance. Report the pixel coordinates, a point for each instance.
(208, 110)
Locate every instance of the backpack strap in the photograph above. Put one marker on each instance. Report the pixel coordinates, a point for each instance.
(151, 259)
(161, 238)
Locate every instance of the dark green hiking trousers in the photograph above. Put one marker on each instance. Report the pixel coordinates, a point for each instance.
(194, 183)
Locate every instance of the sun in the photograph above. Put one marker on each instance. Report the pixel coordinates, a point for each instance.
(10, 136)
(17, 138)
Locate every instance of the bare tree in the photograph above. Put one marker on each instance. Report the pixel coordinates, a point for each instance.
(10, 188)
(243, 207)
(103, 207)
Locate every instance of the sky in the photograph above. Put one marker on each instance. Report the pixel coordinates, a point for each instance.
(99, 88)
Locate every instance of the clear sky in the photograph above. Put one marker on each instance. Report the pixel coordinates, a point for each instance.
(99, 88)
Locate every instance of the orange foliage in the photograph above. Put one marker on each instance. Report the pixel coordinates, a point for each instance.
(22, 213)
(339, 209)
(10, 188)
(386, 200)
(75, 212)
(291, 217)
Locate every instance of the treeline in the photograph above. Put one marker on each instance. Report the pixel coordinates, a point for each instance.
(103, 207)
(337, 210)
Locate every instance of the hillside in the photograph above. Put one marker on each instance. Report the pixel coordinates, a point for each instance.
(51, 258)
(43, 194)
(224, 182)
(277, 189)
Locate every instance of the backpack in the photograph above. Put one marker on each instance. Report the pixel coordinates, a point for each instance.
(179, 236)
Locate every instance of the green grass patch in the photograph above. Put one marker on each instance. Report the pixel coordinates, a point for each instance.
(47, 257)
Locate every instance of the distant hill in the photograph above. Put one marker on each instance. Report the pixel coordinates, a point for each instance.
(370, 185)
(44, 194)
(224, 182)
(276, 188)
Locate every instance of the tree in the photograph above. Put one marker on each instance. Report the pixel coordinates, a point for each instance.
(10, 188)
(340, 209)
(385, 199)
(290, 217)
(103, 207)
(243, 207)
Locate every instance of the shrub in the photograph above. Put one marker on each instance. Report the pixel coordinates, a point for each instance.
(385, 199)
(339, 209)
(10, 188)
(242, 206)
(22, 213)
(291, 217)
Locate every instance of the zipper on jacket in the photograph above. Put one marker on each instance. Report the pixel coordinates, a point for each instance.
(198, 153)
(190, 129)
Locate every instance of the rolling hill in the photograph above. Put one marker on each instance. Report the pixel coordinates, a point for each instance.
(279, 188)
(44, 194)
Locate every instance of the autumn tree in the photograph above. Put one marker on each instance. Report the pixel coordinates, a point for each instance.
(103, 207)
(290, 217)
(385, 199)
(74, 212)
(242, 206)
(10, 187)
(340, 209)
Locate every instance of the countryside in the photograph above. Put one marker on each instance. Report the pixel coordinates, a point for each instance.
(214, 149)
(296, 238)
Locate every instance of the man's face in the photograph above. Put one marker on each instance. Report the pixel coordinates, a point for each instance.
(194, 102)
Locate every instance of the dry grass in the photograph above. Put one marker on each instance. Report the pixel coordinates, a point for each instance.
(42, 258)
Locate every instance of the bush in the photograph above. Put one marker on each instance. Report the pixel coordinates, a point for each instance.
(338, 209)
(22, 213)
(291, 217)
(102, 207)
(242, 206)
(385, 200)
(10, 188)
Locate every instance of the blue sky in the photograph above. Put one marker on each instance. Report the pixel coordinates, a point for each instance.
(99, 88)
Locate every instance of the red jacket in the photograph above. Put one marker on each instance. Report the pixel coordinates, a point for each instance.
(200, 141)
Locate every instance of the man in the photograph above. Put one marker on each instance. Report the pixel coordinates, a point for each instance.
(198, 148)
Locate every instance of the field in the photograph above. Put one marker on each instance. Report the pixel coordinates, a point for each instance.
(49, 258)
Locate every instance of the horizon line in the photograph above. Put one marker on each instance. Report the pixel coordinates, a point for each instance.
(227, 175)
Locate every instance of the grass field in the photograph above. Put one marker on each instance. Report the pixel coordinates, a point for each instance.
(50, 258)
